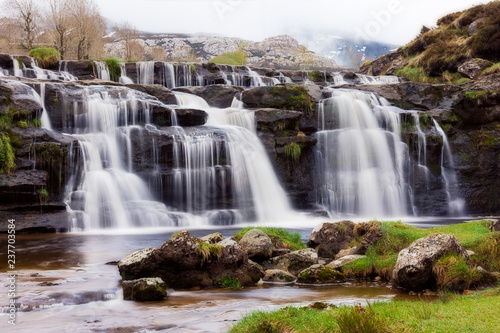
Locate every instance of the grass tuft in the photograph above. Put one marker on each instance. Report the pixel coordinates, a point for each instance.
(280, 237)
(46, 57)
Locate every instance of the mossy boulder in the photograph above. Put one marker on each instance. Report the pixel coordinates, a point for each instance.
(293, 262)
(329, 238)
(145, 289)
(278, 275)
(319, 274)
(257, 245)
(285, 97)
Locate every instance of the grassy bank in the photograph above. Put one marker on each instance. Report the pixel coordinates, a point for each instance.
(478, 312)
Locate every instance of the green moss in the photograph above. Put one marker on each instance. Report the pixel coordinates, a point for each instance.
(328, 274)
(43, 196)
(46, 57)
(114, 68)
(20, 62)
(228, 282)
(7, 157)
(280, 237)
(316, 76)
(476, 94)
(293, 151)
(22, 124)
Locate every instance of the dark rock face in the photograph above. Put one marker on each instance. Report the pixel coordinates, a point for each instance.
(257, 245)
(82, 69)
(36, 218)
(371, 233)
(413, 270)
(145, 289)
(191, 117)
(279, 97)
(184, 262)
(217, 95)
(293, 262)
(329, 238)
(163, 94)
(18, 101)
(379, 66)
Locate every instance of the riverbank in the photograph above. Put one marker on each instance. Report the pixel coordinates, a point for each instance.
(478, 312)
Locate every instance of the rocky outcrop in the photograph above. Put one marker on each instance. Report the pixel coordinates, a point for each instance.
(130, 266)
(293, 262)
(257, 245)
(329, 238)
(145, 289)
(319, 274)
(279, 97)
(495, 226)
(472, 68)
(381, 65)
(216, 95)
(189, 117)
(413, 270)
(186, 261)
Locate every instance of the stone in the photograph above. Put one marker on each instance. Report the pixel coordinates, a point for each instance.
(213, 238)
(191, 117)
(338, 263)
(216, 95)
(413, 269)
(474, 26)
(256, 271)
(278, 97)
(319, 274)
(378, 66)
(276, 120)
(145, 289)
(396, 64)
(186, 261)
(371, 234)
(329, 238)
(495, 225)
(257, 245)
(295, 261)
(129, 265)
(278, 275)
(347, 252)
(472, 68)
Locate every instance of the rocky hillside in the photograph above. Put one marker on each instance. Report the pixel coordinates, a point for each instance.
(276, 52)
(463, 45)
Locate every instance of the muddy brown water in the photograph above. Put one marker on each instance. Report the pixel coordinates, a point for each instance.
(66, 284)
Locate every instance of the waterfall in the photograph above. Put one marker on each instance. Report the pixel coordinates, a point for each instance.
(45, 117)
(383, 79)
(146, 72)
(338, 79)
(102, 70)
(456, 205)
(168, 75)
(123, 77)
(361, 162)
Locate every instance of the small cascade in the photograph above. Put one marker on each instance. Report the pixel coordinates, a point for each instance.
(338, 79)
(146, 72)
(383, 79)
(45, 117)
(183, 75)
(360, 156)
(102, 70)
(256, 79)
(456, 205)
(283, 79)
(168, 75)
(123, 76)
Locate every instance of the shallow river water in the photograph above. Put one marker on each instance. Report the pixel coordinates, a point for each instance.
(67, 283)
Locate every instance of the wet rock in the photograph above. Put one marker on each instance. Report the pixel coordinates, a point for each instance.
(257, 245)
(413, 270)
(130, 266)
(472, 68)
(255, 271)
(186, 261)
(216, 95)
(344, 261)
(145, 289)
(295, 261)
(275, 120)
(18, 100)
(213, 238)
(396, 64)
(163, 94)
(277, 275)
(319, 274)
(191, 117)
(30, 219)
(82, 69)
(329, 238)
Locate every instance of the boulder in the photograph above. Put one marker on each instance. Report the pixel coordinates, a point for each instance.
(186, 261)
(495, 225)
(278, 275)
(191, 117)
(329, 238)
(163, 94)
(371, 234)
(474, 26)
(344, 261)
(214, 238)
(378, 66)
(295, 261)
(472, 68)
(255, 271)
(129, 267)
(257, 245)
(347, 252)
(319, 274)
(145, 289)
(396, 64)
(279, 97)
(413, 270)
(275, 120)
(19, 101)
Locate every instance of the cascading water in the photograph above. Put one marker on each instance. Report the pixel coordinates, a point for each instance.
(145, 72)
(102, 70)
(123, 76)
(361, 163)
(384, 79)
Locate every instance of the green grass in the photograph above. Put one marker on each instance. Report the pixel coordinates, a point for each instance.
(416, 74)
(293, 151)
(495, 68)
(237, 58)
(47, 57)
(7, 157)
(381, 258)
(280, 237)
(228, 282)
(208, 251)
(473, 313)
(114, 68)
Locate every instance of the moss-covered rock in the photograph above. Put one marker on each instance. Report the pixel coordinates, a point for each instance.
(145, 289)
(319, 274)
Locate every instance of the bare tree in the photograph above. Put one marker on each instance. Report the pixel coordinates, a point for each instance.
(128, 33)
(27, 14)
(60, 22)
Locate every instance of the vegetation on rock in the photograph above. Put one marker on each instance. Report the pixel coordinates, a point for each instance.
(280, 237)
(7, 158)
(114, 68)
(228, 282)
(46, 57)
(237, 58)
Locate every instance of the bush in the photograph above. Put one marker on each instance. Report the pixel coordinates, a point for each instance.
(43, 196)
(114, 68)
(46, 57)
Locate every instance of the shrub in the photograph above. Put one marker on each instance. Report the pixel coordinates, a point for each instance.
(22, 124)
(114, 68)
(452, 273)
(46, 57)
(7, 157)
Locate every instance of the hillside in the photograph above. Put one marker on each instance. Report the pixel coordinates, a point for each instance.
(275, 52)
(463, 46)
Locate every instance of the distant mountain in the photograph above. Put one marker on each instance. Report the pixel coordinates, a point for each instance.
(281, 52)
(345, 51)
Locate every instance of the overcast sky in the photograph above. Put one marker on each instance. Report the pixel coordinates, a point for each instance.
(391, 21)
